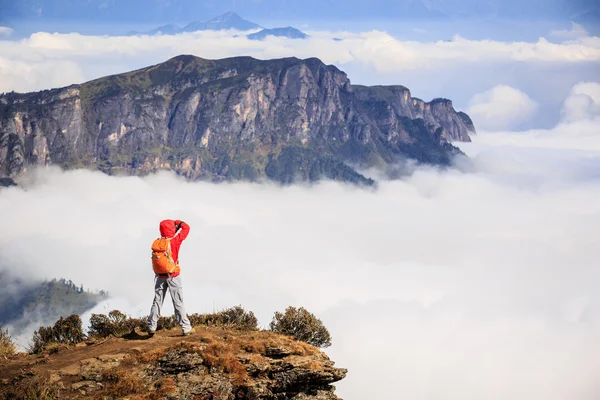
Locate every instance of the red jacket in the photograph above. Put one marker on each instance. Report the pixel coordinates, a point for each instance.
(167, 229)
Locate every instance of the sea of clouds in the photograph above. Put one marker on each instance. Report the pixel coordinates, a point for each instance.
(475, 282)
(478, 281)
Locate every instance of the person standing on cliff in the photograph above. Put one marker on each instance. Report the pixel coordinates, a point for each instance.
(165, 262)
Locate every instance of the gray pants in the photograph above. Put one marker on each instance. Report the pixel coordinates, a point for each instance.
(160, 290)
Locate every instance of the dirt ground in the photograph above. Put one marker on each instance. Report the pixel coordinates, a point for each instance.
(44, 365)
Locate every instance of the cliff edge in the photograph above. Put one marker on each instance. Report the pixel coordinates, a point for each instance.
(212, 363)
(231, 119)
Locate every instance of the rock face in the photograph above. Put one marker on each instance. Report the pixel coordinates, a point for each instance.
(236, 118)
(210, 364)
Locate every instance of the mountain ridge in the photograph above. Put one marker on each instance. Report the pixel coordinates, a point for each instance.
(229, 20)
(23, 303)
(227, 119)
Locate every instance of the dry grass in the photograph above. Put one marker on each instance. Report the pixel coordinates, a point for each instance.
(255, 358)
(123, 382)
(221, 349)
(36, 388)
(258, 342)
(223, 356)
(151, 355)
(313, 365)
(165, 387)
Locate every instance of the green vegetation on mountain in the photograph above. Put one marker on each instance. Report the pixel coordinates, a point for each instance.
(22, 304)
(231, 119)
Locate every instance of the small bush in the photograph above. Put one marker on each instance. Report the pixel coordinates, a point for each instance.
(114, 324)
(118, 324)
(166, 323)
(239, 318)
(234, 317)
(65, 331)
(7, 346)
(302, 325)
(100, 326)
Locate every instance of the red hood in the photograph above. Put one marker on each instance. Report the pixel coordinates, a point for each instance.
(167, 228)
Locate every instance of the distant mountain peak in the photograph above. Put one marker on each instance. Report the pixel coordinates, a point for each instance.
(288, 32)
(230, 15)
(229, 20)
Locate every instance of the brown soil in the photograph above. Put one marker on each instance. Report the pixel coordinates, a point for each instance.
(45, 364)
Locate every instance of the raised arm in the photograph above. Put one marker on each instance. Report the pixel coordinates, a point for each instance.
(185, 230)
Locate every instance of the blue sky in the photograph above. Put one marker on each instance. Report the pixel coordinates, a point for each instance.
(160, 10)
(350, 15)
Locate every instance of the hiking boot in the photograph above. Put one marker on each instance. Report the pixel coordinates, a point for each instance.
(151, 333)
(189, 332)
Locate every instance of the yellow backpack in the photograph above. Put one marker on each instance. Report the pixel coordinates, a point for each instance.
(162, 259)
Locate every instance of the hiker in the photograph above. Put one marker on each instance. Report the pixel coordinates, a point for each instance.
(165, 263)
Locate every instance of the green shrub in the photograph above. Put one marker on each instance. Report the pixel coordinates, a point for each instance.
(65, 331)
(166, 323)
(114, 324)
(7, 346)
(234, 317)
(302, 325)
(118, 324)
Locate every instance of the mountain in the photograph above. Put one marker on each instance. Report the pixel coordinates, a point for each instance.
(288, 32)
(235, 118)
(229, 20)
(22, 303)
(169, 29)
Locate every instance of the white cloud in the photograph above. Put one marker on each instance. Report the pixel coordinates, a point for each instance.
(472, 284)
(576, 132)
(26, 76)
(583, 102)
(446, 284)
(501, 107)
(102, 55)
(5, 31)
(575, 32)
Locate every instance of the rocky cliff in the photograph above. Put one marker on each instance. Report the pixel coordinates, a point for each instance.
(213, 363)
(235, 118)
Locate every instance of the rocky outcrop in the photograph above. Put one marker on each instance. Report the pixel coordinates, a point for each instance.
(213, 363)
(398, 102)
(227, 119)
